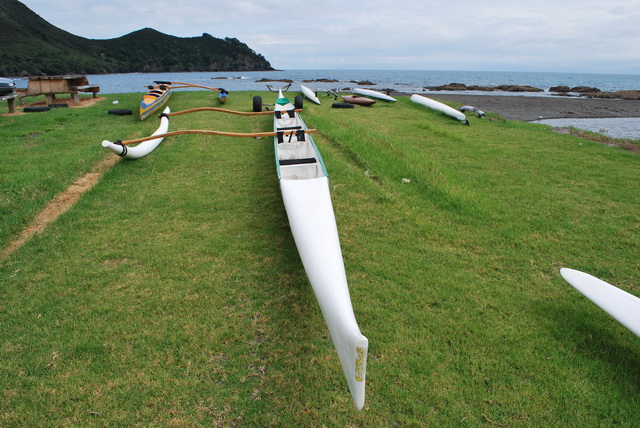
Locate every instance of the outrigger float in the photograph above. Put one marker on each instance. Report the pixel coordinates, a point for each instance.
(304, 185)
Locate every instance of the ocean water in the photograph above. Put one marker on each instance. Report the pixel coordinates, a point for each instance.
(622, 127)
(400, 80)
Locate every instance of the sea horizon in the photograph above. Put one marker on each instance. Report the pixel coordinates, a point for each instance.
(396, 80)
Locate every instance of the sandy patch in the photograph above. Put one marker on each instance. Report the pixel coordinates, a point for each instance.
(60, 204)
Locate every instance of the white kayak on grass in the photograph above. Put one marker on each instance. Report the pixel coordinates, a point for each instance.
(305, 192)
(438, 106)
(143, 148)
(373, 94)
(622, 306)
(309, 94)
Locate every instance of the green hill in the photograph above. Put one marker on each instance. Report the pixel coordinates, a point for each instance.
(30, 45)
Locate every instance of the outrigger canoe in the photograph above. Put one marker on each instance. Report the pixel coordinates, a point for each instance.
(622, 306)
(154, 99)
(305, 191)
(304, 185)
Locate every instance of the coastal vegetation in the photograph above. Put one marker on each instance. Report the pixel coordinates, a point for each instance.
(32, 46)
(172, 294)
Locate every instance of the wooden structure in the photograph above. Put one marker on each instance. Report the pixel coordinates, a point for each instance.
(50, 86)
(11, 101)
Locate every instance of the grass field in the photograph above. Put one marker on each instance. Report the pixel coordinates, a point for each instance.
(172, 294)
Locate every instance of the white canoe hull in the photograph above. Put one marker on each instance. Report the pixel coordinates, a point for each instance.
(438, 106)
(373, 94)
(305, 192)
(622, 306)
(309, 94)
(313, 225)
(143, 148)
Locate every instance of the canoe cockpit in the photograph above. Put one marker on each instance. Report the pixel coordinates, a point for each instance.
(297, 155)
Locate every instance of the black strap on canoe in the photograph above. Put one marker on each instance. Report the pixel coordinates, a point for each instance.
(124, 148)
(297, 161)
(291, 113)
(299, 134)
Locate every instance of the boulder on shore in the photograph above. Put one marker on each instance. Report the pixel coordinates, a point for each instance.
(463, 87)
(449, 87)
(623, 95)
(320, 80)
(518, 88)
(264, 79)
(584, 89)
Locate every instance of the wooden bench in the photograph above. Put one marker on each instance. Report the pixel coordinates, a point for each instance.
(50, 86)
(11, 101)
(94, 89)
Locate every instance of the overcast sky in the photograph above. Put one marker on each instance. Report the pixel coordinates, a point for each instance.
(585, 36)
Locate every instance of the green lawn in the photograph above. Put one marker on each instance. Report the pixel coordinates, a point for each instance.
(172, 294)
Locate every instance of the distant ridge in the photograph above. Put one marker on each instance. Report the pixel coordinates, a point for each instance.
(29, 45)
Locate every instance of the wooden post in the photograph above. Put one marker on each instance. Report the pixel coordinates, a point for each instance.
(11, 102)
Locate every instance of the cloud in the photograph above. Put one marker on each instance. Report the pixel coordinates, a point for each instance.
(368, 34)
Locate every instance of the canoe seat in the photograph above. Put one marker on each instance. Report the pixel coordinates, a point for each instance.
(285, 162)
(299, 134)
(278, 113)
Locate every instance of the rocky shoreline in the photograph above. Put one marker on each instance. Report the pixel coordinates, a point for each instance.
(529, 108)
(563, 91)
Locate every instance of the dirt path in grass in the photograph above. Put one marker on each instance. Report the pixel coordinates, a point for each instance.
(60, 204)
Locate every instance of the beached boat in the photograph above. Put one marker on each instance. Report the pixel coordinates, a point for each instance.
(143, 148)
(305, 191)
(309, 94)
(357, 99)
(373, 94)
(622, 306)
(438, 106)
(154, 99)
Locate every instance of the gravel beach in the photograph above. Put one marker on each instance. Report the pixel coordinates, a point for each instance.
(528, 108)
